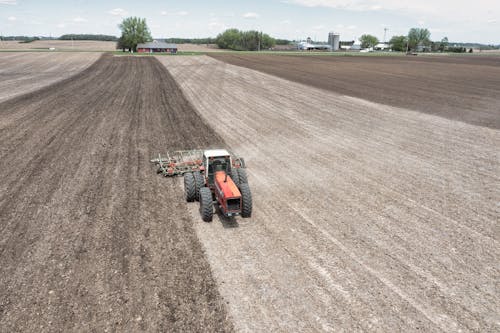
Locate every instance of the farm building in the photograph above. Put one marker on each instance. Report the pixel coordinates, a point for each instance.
(156, 46)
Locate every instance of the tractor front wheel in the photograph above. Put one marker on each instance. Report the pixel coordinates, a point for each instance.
(242, 175)
(246, 200)
(189, 187)
(206, 204)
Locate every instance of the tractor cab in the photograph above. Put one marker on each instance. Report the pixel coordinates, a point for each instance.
(215, 160)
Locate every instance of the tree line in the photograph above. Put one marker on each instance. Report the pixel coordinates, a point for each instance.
(88, 37)
(238, 40)
(418, 39)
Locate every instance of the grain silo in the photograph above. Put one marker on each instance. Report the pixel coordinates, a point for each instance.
(334, 41)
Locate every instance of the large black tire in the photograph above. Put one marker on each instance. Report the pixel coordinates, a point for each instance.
(189, 187)
(246, 200)
(199, 183)
(206, 204)
(242, 173)
(235, 176)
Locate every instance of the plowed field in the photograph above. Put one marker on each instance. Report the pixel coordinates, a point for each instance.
(366, 217)
(375, 201)
(21, 73)
(91, 238)
(60, 45)
(458, 88)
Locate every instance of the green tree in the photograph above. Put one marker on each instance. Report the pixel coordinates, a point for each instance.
(418, 36)
(252, 40)
(368, 41)
(134, 31)
(398, 43)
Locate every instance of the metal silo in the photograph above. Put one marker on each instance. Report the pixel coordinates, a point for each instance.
(334, 41)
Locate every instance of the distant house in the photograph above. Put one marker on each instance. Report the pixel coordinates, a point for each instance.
(156, 47)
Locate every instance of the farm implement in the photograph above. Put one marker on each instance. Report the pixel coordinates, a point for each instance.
(212, 176)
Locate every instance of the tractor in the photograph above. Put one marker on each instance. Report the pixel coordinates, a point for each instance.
(212, 176)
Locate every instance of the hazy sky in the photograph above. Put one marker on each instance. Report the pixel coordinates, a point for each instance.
(474, 21)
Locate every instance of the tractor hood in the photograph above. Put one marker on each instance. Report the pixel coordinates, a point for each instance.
(226, 185)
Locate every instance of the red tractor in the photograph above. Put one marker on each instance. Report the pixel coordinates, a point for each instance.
(211, 176)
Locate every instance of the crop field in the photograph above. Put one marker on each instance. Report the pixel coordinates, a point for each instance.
(88, 45)
(21, 73)
(367, 216)
(371, 212)
(92, 238)
(460, 88)
(59, 45)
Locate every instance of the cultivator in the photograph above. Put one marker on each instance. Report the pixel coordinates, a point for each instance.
(210, 176)
(178, 162)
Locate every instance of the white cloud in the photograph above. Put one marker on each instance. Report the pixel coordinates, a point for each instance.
(179, 13)
(118, 12)
(251, 15)
(11, 18)
(79, 20)
(492, 21)
(61, 25)
(443, 9)
(318, 27)
(342, 4)
(286, 22)
(216, 25)
(8, 2)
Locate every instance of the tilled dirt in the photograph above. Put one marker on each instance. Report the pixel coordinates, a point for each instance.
(91, 238)
(459, 88)
(60, 45)
(21, 73)
(366, 217)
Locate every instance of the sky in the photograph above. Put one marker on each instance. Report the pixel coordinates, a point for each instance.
(459, 20)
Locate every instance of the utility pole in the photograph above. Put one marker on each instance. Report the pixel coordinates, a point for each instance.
(385, 33)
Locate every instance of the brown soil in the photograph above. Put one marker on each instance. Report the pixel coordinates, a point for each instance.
(60, 45)
(199, 48)
(28, 71)
(91, 238)
(366, 217)
(459, 88)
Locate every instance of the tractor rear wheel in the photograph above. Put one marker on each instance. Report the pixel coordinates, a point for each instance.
(199, 182)
(206, 204)
(242, 174)
(235, 176)
(246, 200)
(189, 187)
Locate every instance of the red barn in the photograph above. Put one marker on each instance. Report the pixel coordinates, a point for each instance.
(156, 47)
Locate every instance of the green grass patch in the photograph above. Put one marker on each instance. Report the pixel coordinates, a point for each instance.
(179, 53)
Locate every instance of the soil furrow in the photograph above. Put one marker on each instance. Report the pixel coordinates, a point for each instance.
(458, 88)
(92, 238)
(366, 216)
